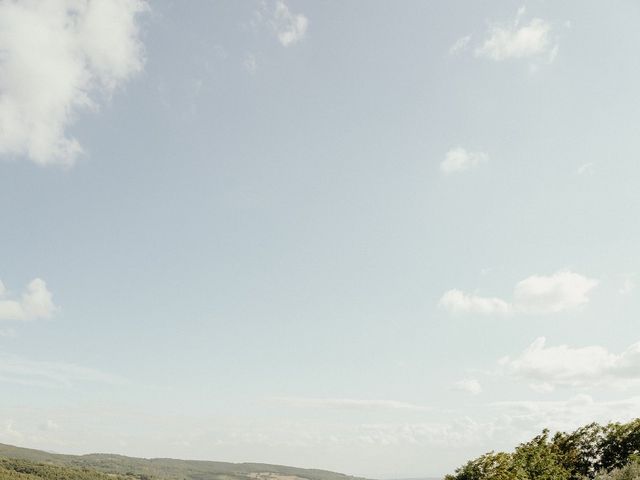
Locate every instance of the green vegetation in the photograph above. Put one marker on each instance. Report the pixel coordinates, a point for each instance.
(609, 452)
(28, 464)
(18, 469)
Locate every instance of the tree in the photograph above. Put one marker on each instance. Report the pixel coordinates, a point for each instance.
(581, 451)
(490, 466)
(621, 441)
(540, 459)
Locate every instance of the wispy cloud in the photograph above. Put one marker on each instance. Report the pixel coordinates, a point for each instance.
(21, 371)
(586, 169)
(349, 403)
(468, 385)
(628, 284)
(250, 63)
(538, 294)
(460, 45)
(459, 160)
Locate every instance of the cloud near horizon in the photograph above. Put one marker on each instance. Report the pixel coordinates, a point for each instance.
(468, 385)
(349, 403)
(537, 294)
(60, 58)
(548, 367)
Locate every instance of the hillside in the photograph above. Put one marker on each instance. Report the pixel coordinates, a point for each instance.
(162, 468)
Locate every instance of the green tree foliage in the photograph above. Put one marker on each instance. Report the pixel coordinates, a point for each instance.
(631, 471)
(20, 469)
(540, 459)
(610, 452)
(490, 466)
(621, 441)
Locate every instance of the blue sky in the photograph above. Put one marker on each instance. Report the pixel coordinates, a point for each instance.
(373, 237)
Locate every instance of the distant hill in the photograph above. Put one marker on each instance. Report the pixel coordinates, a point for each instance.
(119, 467)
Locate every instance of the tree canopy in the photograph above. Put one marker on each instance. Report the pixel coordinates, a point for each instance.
(609, 452)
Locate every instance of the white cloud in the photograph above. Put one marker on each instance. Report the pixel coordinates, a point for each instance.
(250, 63)
(537, 294)
(290, 28)
(349, 403)
(457, 302)
(460, 45)
(628, 285)
(517, 40)
(34, 303)
(564, 290)
(21, 371)
(468, 385)
(58, 58)
(459, 160)
(586, 169)
(549, 367)
(528, 418)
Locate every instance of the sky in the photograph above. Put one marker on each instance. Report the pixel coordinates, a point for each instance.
(379, 238)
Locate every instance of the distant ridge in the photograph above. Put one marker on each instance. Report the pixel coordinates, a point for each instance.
(168, 468)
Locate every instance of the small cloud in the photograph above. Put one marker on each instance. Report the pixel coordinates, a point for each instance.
(35, 302)
(460, 45)
(457, 302)
(468, 385)
(588, 169)
(628, 285)
(518, 40)
(250, 64)
(460, 160)
(290, 28)
(537, 294)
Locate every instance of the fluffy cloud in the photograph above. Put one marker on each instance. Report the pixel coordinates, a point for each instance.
(538, 294)
(468, 385)
(34, 303)
(518, 40)
(290, 28)
(457, 302)
(549, 367)
(349, 403)
(58, 58)
(564, 290)
(460, 160)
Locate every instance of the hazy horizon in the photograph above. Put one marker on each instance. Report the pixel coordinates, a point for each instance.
(377, 238)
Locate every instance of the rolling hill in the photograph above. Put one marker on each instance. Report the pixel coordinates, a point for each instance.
(19, 462)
